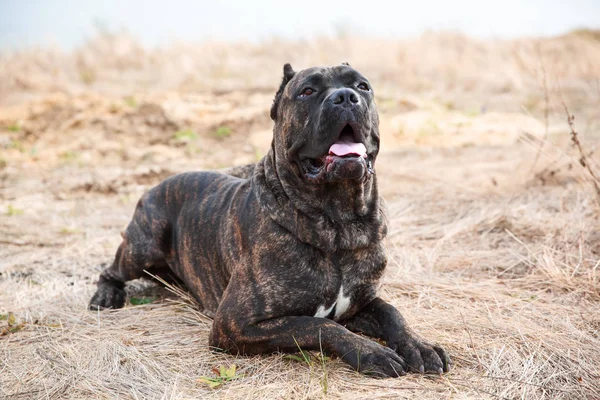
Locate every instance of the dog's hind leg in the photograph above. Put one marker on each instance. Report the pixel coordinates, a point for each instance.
(137, 252)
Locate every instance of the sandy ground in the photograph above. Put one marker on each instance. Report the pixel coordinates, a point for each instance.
(494, 243)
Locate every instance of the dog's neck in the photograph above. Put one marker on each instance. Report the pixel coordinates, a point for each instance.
(329, 216)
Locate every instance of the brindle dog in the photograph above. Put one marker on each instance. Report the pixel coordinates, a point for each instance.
(291, 256)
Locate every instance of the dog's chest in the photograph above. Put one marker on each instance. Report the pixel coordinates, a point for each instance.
(351, 283)
(339, 306)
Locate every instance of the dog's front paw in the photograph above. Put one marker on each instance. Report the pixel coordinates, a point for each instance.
(421, 356)
(107, 296)
(371, 358)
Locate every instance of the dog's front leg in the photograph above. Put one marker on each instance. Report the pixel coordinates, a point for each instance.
(289, 334)
(383, 321)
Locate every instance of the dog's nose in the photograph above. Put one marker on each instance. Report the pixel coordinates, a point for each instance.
(344, 98)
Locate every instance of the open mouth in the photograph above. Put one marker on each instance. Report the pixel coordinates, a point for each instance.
(344, 150)
(345, 146)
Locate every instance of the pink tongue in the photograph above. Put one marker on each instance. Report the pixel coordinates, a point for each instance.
(343, 148)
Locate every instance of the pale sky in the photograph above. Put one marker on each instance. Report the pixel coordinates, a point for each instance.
(157, 22)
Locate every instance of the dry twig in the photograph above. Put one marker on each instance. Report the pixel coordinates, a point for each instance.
(583, 159)
(546, 120)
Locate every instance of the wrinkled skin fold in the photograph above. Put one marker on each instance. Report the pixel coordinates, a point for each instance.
(289, 252)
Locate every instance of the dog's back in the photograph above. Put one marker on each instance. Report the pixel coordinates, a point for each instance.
(183, 225)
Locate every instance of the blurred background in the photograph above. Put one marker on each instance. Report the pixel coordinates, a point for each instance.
(68, 23)
(426, 60)
(493, 196)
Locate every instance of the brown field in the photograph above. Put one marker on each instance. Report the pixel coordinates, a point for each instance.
(495, 225)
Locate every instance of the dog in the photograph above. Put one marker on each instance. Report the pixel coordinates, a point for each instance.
(287, 254)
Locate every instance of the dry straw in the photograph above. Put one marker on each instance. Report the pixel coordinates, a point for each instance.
(497, 261)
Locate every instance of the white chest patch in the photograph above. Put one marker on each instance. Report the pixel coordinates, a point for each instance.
(341, 305)
(322, 312)
(343, 302)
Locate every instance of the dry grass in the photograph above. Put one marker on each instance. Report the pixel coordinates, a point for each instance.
(497, 262)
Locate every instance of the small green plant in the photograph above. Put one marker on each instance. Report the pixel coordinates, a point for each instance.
(69, 155)
(449, 105)
(222, 375)
(14, 127)
(140, 301)
(3, 163)
(12, 211)
(323, 358)
(303, 356)
(88, 76)
(532, 102)
(17, 145)
(12, 326)
(125, 199)
(192, 151)
(69, 231)
(401, 131)
(185, 135)
(131, 101)
(258, 155)
(309, 358)
(429, 128)
(223, 131)
(472, 112)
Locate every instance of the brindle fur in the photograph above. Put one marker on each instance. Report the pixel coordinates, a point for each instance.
(262, 248)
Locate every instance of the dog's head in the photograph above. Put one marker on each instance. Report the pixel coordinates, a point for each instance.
(326, 123)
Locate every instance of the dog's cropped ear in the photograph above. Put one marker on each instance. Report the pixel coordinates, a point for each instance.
(288, 74)
(346, 64)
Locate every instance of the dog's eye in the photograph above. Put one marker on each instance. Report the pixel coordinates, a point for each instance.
(307, 92)
(363, 86)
